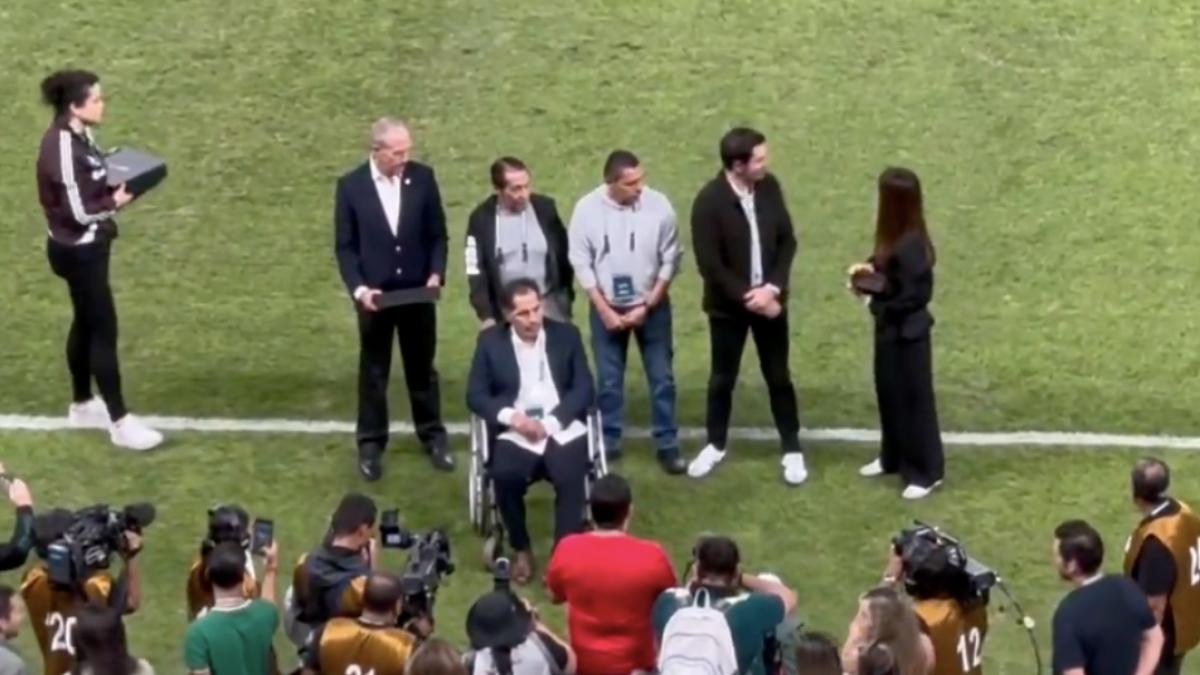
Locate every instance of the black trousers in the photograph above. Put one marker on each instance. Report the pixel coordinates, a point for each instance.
(513, 469)
(912, 442)
(92, 339)
(727, 340)
(416, 326)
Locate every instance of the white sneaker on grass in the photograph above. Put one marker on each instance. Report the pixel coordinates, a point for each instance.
(794, 470)
(132, 433)
(706, 461)
(871, 470)
(914, 492)
(91, 414)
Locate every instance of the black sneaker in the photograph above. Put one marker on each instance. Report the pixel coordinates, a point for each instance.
(672, 463)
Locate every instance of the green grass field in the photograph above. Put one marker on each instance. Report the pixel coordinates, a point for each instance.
(1057, 143)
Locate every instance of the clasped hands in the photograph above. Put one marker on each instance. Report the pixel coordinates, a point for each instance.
(764, 301)
(530, 428)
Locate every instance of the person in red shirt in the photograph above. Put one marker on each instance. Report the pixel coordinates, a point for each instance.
(608, 604)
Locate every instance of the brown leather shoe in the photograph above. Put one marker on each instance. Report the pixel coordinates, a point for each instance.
(522, 569)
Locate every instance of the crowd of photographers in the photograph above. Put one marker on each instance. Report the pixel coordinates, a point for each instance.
(628, 612)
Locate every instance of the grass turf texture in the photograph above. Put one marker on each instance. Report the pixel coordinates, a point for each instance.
(1056, 144)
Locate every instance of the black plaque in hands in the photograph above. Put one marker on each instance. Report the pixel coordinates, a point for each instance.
(871, 283)
(138, 171)
(408, 296)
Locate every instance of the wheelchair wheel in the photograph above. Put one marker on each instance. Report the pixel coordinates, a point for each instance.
(477, 496)
(490, 544)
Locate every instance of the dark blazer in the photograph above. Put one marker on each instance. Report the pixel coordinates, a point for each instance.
(721, 240)
(902, 310)
(495, 379)
(483, 272)
(367, 253)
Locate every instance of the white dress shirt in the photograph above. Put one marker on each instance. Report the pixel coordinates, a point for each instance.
(537, 392)
(746, 199)
(388, 189)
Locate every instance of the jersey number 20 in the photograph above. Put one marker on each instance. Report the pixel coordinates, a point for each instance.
(61, 628)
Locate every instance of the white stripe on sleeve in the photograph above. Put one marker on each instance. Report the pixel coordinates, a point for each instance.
(66, 161)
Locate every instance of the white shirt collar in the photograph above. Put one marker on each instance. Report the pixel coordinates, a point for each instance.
(738, 189)
(1092, 579)
(1160, 508)
(538, 344)
(377, 175)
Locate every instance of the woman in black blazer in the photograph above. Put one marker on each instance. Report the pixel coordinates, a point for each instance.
(897, 285)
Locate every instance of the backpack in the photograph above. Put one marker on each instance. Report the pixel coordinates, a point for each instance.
(697, 640)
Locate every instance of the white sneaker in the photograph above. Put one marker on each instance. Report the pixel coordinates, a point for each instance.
(871, 470)
(706, 461)
(794, 470)
(914, 492)
(91, 414)
(132, 433)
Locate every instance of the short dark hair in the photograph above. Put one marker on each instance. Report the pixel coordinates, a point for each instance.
(610, 501)
(1080, 543)
(355, 511)
(517, 287)
(382, 593)
(717, 556)
(616, 164)
(225, 566)
(817, 654)
(65, 88)
(6, 595)
(502, 166)
(738, 144)
(1151, 479)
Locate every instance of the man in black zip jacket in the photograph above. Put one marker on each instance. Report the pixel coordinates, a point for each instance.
(516, 234)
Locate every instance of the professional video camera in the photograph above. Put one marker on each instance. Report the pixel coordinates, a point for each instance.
(77, 545)
(429, 561)
(937, 565)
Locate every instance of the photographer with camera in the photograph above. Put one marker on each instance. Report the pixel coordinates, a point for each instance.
(235, 636)
(76, 550)
(370, 643)
(732, 621)
(508, 638)
(330, 580)
(950, 604)
(1163, 556)
(14, 552)
(226, 524)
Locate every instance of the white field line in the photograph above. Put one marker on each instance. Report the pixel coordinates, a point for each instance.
(1059, 439)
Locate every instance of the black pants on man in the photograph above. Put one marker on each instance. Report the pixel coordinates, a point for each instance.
(92, 340)
(513, 469)
(727, 339)
(416, 326)
(912, 443)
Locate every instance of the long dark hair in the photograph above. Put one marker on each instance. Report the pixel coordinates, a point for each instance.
(901, 211)
(100, 646)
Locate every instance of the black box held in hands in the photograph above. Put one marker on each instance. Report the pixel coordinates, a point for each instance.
(139, 171)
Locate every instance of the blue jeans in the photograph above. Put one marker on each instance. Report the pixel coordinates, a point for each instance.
(657, 345)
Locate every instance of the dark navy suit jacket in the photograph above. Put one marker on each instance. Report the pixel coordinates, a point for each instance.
(495, 379)
(367, 252)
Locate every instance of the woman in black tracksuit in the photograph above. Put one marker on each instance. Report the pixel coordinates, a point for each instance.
(79, 207)
(897, 282)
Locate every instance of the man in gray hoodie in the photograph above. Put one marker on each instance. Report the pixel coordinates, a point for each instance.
(625, 249)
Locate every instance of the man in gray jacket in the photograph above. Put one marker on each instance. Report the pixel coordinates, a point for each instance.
(625, 249)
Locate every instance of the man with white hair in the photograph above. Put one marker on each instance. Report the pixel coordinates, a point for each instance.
(390, 235)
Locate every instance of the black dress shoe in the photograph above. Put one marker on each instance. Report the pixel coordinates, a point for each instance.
(440, 458)
(672, 464)
(370, 463)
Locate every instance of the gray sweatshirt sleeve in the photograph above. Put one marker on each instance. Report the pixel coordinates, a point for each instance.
(670, 250)
(580, 251)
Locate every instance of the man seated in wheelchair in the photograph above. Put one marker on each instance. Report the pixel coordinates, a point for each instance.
(531, 385)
